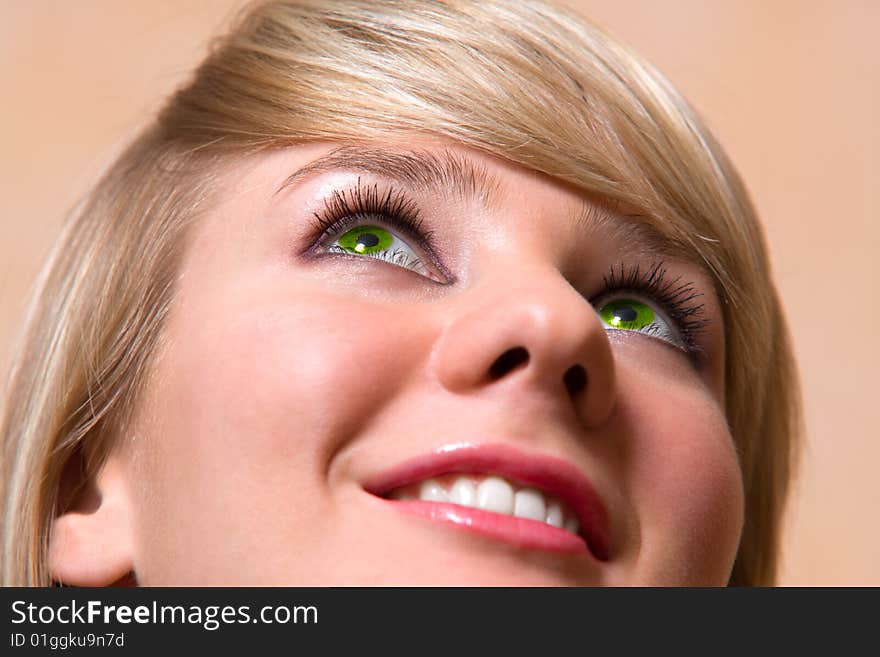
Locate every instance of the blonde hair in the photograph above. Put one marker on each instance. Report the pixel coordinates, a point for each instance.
(525, 81)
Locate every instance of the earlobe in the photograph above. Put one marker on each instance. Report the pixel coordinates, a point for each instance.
(91, 543)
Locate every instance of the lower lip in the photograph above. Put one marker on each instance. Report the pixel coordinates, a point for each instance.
(520, 532)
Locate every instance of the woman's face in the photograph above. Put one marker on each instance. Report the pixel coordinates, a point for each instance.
(406, 365)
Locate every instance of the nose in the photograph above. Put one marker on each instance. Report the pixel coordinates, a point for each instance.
(534, 327)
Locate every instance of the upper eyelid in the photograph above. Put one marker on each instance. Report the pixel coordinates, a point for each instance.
(387, 200)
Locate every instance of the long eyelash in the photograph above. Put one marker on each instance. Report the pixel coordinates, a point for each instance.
(678, 298)
(365, 202)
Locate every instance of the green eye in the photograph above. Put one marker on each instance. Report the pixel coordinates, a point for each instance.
(626, 314)
(366, 240)
(371, 241)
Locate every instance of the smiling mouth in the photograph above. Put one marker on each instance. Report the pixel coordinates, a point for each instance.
(494, 494)
(527, 500)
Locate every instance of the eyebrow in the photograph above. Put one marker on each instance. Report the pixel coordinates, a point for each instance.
(433, 171)
(638, 231)
(445, 171)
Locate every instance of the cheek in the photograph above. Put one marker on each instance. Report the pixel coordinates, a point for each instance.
(319, 367)
(249, 412)
(685, 483)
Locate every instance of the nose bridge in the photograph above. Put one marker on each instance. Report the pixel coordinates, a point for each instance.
(543, 311)
(528, 323)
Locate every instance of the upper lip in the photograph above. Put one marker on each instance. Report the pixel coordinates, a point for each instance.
(549, 474)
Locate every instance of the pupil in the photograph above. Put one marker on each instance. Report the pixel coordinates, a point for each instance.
(367, 239)
(625, 314)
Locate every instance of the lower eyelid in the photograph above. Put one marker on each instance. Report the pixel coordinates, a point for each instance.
(354, 257)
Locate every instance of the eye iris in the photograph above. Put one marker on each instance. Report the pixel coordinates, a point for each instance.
(627, 314)
(366, 240)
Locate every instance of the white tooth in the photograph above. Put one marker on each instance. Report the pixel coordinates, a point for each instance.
(529, 503)
(463, 492)
(431, 491)
(572, 525)
(495, 494)
(554, 514)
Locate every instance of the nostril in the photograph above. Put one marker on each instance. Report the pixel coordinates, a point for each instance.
(575, 379)
(509, 360)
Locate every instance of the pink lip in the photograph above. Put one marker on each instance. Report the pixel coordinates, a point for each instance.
(548, 474)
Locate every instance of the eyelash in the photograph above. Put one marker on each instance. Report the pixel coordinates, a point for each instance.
(347, 208)
(674, 296)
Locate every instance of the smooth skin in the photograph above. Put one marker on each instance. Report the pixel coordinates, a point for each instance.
(287, 379)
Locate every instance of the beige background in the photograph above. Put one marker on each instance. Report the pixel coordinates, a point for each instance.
(791, 89)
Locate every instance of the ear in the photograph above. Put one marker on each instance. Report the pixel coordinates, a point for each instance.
(91, 542)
